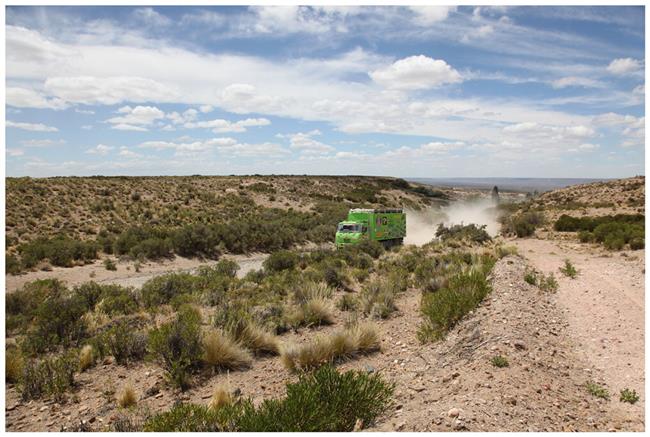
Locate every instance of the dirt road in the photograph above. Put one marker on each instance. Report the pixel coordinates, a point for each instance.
(604, 307)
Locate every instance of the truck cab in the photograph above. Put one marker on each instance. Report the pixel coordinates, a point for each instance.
(349, 232)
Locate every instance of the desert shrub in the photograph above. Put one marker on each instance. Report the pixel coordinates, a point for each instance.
(347, 302)
(325, 401)
(196, 239)
(109, 264)
(614, 232)
(597, 390)
(14, 363)
(377, 298)
(90, 292)
(118, 300)
(444, 308)
(124, 343)
(161, 289)
(637, 243)
(530, 277)
(12, 265)
(220, 351)
(358, 339)
(127, 397)
(569, 269)
(629, 396)
(177, 346)
(371, 247)
(58, 321)
(471, 232)
(226, 267)
(499, 361)
(281, 260)
(60, 251)
(152, 248)
(51, 376)
(86, 357)
(548, 283)
(309, 290)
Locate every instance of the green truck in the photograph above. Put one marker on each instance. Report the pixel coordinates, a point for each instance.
(388, 226)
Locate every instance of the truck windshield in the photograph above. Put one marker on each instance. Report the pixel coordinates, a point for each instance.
(349, 228)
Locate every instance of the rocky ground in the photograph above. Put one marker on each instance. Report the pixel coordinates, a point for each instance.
(451, 385)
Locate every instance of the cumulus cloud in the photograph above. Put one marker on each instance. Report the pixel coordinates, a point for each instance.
(100, 149)
(305, 143)
(427, 15)
(624, 66)
(36, 127)
(42, 143)
(222, 145)
(416, 72)
(13, 152)
(221, 126)
(140, 115)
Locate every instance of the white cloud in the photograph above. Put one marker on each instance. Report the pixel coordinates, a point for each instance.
(92, 90)
(87, 127)
(84, 111)
(185, 117)
(15, 152)
(100, 149)
(221, 126)
(206, 108)
(125, 152)
(151, 17)
(304, 143)
(129, 127)
(222, 145)
(639, 90)
(36, 127)
(416, 72)
(28, 98)
(427, 15)
(624, 66)
(140, 115)
(42, 143)
(576, 81)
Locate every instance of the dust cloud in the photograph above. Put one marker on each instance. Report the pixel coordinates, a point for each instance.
(421, 225)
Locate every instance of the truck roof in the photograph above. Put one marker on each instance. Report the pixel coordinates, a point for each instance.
(377, 210)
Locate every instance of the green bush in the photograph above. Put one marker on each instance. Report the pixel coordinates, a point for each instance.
(323, 401)
(51, 376)
(464, 292)
(597, 390)
(569, 269)
(12, 265)
(196, 239)
(629, 396)
(118, 300)
(161, 289)
(60, 251)
(58, 321)
(152, 248)
(471, 232)
(177, 346)
(109, 264)
(281, 260)
(124, 343)
(614, 232)
(499, 361)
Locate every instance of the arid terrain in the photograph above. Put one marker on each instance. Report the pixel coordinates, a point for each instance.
(521, 359)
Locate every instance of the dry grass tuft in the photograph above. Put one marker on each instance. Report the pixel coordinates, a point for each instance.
(222, 396)
(314, 312)
(343, 344)
(222, 351)
(86, 357)
(254, 337)
(127, 397)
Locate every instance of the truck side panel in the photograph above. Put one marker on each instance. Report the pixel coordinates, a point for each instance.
(387, 226)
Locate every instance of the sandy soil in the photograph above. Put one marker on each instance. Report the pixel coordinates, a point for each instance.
(450, 385)
(604, 306)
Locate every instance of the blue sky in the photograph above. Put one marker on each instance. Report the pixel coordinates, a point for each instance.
(422, 91)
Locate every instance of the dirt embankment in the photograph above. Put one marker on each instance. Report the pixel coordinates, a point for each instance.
(451, 385)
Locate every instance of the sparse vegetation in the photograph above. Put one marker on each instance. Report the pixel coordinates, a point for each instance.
(221, 352)
(499, 361)
(127, 397)
(613, 232)
(325, 401)
(569, 269)
(597, 390)
(629, 396)
(359, 339)
(50, 376)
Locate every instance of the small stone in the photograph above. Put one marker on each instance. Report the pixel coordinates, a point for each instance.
(158, 395)
(454, 412)
(43, 408)
(458, 425)
(400, 426)
(370, 369)
(518, 344)
(455, 374)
